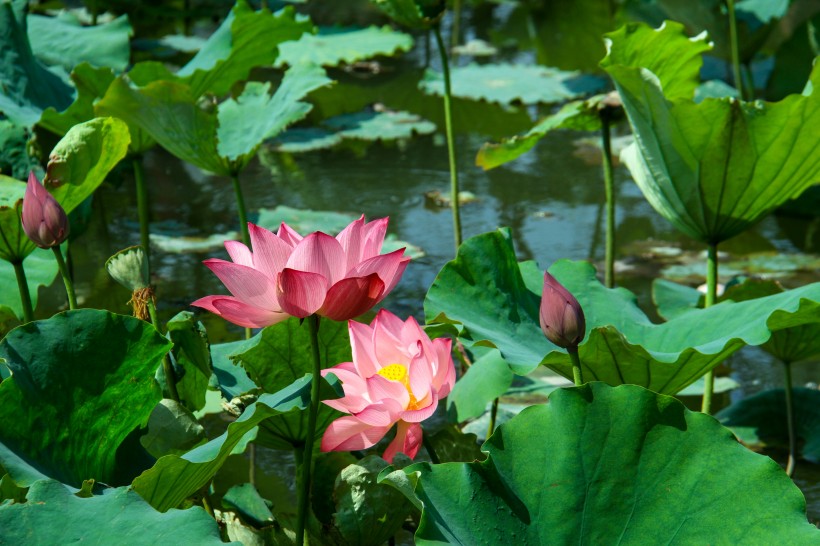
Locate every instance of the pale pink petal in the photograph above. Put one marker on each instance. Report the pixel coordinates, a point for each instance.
(355, 388)
(426, 408)
(348, 433)
(351, 297)
(408, 441)
(270, 253)
(239, 253)
(381, 414)
(445, 375)
(233, 310)
(352, 238)
(319, 253)
(300, 293)
(388, 347)
(288, 235)
(374, 237)
(246, 283)
(421, 376)
(361, 342)
(381, 388)
(389, 323)
(389, 267)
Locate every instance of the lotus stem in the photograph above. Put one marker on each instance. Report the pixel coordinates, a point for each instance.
(609, 185)
(304, 488)
(787, 377)
(451, 151)
(730, 5)
(425, 440)
(167, 367)
(493, 415)
(240, 205)
(22, 286)
(454, 30)
(711, 299)
(577, 377)
(143, 209)
(69, 284)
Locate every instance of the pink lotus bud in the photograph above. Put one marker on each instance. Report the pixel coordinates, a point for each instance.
(562, 318)
(44, 220)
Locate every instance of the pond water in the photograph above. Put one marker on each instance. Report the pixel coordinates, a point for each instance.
(551, 198)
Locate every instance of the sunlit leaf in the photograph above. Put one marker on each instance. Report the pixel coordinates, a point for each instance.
(15, 160)
(91, 84)
(337, 46)
(70, 375)
(598, 463)
(388, 125)
(508, 83)
(53, 515)
(493, 300)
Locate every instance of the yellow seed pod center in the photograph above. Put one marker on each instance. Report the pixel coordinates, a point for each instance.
(398, 372)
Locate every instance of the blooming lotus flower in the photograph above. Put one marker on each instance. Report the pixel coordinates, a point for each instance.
(290, 275)
(397, 376)
(44, 220)
(562, 318)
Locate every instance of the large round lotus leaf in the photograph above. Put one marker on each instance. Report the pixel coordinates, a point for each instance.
(380, 125)
(508, 83)
(493, 300)
(761, 420)
(604, 465)
(81, 382)
(53, 515)
(716, 167)
(343, 46)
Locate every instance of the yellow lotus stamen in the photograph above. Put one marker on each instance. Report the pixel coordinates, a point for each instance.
(398, 372)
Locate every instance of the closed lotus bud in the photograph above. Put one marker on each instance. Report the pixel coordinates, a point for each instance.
(562, 318)
(44, 220)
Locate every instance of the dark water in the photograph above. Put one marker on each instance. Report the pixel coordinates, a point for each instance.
(551, 198)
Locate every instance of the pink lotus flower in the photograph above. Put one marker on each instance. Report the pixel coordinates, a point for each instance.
(561, 316)
(290, 275)
(397, 376)
(44, 220)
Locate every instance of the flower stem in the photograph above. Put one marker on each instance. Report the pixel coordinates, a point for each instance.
(576, 366)
(69, 284)
(167, 367)
(493, 415)
(609, 186)
(787, 376)
(25, 295)
(425, 440)
(304, 488)
(711, 299)
(143, 209)
(451, 151)
(240, 205)
(730, 5)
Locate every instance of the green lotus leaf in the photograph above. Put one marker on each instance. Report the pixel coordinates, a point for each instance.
(760, 420)
(716, 167)
(373, 126)
(486, 379)
(64, 41)
(28, 87)
(255, 115)
(279, 355)
(91, 84)
(40, 268)
(174, 478)
(305, 139)
(82, 159)
(14, 151)
(576, 115)
(14, 243)
(246, 39)
(493, 300)
(415, 14)
(53, 515)
(600, 464)
(508, 83)
(233, 379)
(172, 429)
(84, 380)
(337, 46)
(193, 358)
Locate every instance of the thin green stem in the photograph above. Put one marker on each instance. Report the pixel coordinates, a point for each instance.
(69, 284)
(711, 299)
(456, 23)
(167, 367)
(240, 205)
(609, 185)
(730, 5)
(787, 377)
(25, 295)
(425, 440)
(304, 488)
(143, 209)
(493, 415)
(451, 150)
(577, 377)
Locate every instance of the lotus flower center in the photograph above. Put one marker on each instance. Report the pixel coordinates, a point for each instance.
(398, 372)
